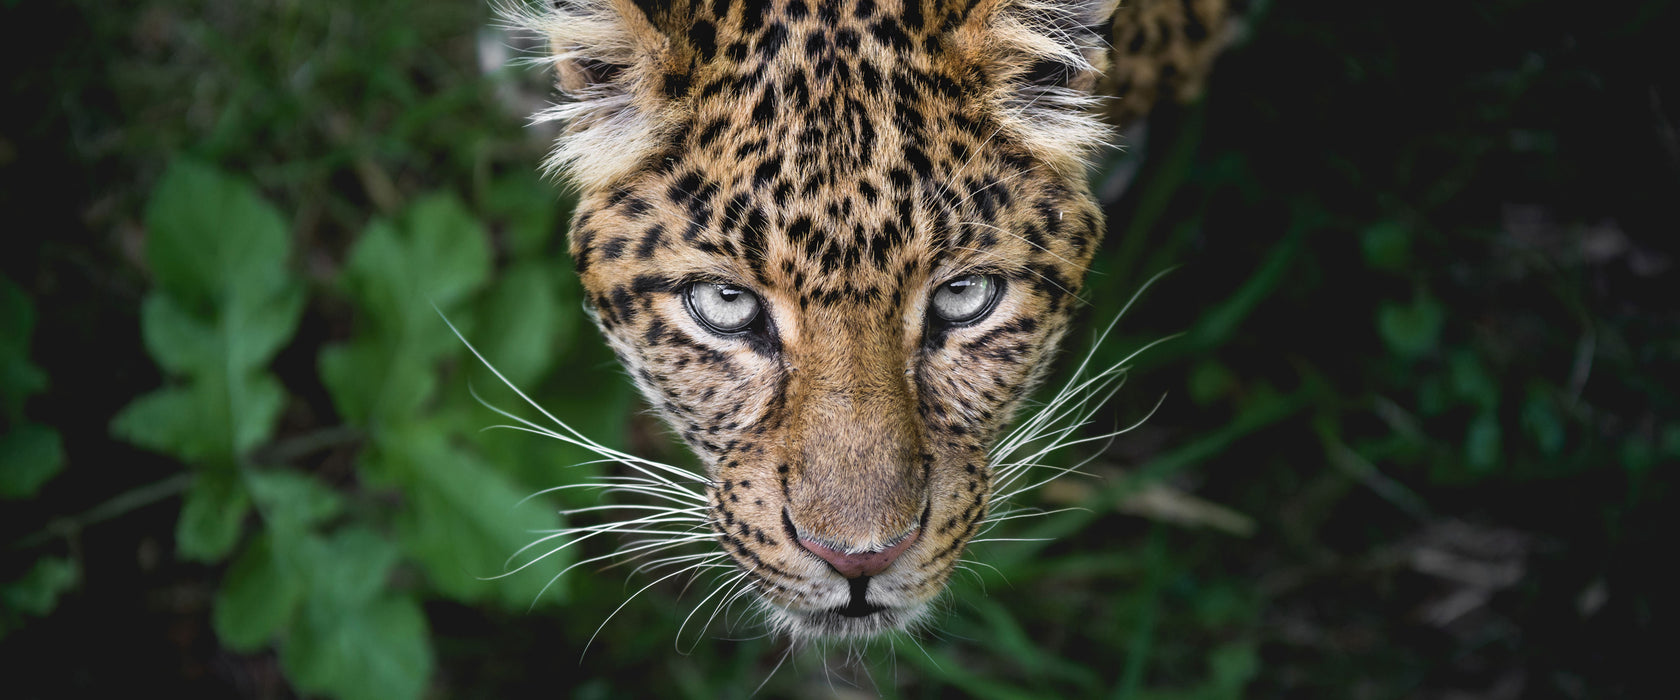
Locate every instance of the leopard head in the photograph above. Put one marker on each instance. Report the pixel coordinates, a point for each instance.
(834, 244)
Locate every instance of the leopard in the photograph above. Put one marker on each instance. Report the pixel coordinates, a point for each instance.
(836, 245)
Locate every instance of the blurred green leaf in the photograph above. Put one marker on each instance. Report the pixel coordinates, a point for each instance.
(212, 517)
(347, 570)
(19, 378)
(257, 599)
(438, 255)
(211, 238)
(396, 274)
(372, 380)
(531, 208)
(465, 521)
(36, 593)
(1540, 419)
(30, 455)
(1386, 246)
(1482, 448)
(1210, 381)
(523, 315)
(354, 638)
(379, 651)
(168, 420)
(1411, 330)
(292, 502)
(1471, 381)
(225, 304)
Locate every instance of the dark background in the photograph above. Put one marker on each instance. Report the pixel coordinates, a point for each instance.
(1417, 435)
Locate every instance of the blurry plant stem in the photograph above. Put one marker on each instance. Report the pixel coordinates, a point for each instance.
(122, 504)
(1363, 471)
(275, 454)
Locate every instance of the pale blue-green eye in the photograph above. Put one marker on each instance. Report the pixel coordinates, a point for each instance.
(724, 308)
(966, 298)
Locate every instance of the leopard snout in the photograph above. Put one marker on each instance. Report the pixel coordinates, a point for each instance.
(853, 564)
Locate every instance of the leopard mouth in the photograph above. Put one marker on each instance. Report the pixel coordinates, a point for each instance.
(859, 605)
(857, 619)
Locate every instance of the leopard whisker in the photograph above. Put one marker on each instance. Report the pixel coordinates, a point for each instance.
(589, 531)
(621, 606)
(994, 519)
(646, 467)
(676, 642)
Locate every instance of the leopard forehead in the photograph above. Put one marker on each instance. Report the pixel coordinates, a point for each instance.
(831, 153)
(841, 161)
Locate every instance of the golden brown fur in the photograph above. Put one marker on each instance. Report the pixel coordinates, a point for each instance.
(842, 163)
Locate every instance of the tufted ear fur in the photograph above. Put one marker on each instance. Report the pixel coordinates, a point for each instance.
(1040, 60)
(618, 74)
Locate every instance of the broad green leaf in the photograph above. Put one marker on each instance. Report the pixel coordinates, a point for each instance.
(396, 274)
(255, 409)
(292, 502)
(450, 255)
(257, 328)
(212, 517)
(348, 569)
(354, 639)
(379, 651)
(225, 304)
(521, 318)
(466, 520)
(173, 421)
(37, 592)
(211, 237)
(30, 455)
(177, 340)
(258, 598)
(372, 381)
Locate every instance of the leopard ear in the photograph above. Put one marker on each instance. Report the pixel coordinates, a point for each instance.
(619, 76)
(1040, 60)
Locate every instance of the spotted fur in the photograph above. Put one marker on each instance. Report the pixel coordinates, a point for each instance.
(842, 161)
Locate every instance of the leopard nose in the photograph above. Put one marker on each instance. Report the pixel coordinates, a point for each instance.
(860, 563)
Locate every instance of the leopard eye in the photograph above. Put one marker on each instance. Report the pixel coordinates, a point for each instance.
(966, 299)
(724, 308)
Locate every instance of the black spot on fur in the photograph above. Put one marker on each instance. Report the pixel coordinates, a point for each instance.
(703, 36)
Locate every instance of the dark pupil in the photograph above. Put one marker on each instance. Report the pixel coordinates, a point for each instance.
(728, 294)
(962, 285)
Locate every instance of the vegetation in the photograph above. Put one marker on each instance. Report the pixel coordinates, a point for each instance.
(1418, 435)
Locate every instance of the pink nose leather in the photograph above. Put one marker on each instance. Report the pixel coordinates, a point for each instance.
(863, 563)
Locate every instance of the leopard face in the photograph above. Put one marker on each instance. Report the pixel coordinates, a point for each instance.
(834, 244)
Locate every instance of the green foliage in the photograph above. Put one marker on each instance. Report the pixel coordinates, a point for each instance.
(19, 378)
(437, 256)
(318, 578)
(1411, 328)
(225, 303)
(465, 520)
(36, 593)
(30, 453)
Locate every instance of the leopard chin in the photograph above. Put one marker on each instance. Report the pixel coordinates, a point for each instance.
(834, 244)
(846, 623)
